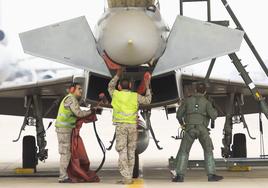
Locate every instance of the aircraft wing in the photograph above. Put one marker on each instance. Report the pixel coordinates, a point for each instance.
(192, 41)
(219, 90)
(12, 98)
(70, 42)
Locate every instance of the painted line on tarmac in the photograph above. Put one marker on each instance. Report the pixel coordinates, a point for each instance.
(137, 183)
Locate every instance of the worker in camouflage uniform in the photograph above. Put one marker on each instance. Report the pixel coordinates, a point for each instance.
(194, 115)
(68, 113)
(125, 105)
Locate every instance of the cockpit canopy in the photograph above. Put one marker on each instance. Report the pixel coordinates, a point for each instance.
(130, 3)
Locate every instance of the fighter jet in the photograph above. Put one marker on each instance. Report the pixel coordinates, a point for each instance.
(134, 36)
(131, 34)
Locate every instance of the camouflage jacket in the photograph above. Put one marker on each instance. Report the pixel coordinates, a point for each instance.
(141, 99)
(73, 104)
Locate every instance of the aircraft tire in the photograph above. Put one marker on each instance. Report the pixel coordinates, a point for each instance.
(239, 147)
(29, 153)
(136, 169)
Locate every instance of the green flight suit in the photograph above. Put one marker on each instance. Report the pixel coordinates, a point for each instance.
(196, 112)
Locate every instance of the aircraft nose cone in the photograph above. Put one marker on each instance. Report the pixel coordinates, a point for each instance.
(131, 37)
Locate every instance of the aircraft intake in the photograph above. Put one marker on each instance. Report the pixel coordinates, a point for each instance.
(160, 85)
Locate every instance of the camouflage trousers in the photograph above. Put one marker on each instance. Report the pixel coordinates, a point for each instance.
(64, 141)
(126, 141)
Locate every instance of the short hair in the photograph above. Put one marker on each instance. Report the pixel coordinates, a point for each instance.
(201, 88)
(74, 84)
(124, 83)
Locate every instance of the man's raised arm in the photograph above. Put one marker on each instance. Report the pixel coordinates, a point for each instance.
(113, 82)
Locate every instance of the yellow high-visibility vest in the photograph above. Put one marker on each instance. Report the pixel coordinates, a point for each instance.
(65, 118)
(125, 107)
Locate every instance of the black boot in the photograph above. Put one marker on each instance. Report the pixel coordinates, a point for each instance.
(214, 177)
(178, 178)
(66, 180)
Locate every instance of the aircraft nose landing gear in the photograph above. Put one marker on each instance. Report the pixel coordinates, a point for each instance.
(33, 117)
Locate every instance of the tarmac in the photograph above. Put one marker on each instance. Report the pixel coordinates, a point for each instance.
(152, 175)
(153, 162)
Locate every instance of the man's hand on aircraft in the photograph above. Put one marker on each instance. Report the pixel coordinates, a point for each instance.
(147, 78)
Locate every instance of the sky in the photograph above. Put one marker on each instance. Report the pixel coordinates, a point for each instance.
(22, 15)
(19, 16)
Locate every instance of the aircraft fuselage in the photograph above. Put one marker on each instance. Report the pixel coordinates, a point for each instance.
(132, 36)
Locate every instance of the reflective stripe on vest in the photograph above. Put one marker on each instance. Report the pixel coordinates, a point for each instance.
(125, 107)
(65, 118)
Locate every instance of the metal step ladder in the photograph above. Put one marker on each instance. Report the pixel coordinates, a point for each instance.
(208, 7)
(222, 22)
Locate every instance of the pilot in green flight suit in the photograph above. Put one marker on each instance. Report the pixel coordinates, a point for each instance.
(194, 115)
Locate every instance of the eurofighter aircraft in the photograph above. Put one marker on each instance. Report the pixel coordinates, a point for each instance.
(132, 34)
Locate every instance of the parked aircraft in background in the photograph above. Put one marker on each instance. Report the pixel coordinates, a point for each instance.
(14, 71)
(5, 58)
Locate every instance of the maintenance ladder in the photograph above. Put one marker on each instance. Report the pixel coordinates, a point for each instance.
(223, 23)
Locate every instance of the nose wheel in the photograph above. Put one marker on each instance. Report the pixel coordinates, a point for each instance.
(29, 153)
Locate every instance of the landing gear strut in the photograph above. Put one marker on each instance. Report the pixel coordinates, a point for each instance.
(146, 114)
(234, 106)
(33, 117)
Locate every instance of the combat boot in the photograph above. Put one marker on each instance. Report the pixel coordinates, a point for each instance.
(214, 177)
(65, 180)
(178, 178)
(125, 181)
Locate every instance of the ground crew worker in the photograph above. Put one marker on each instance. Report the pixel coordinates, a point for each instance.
(125, 105)
(68, 113)
(194, 115)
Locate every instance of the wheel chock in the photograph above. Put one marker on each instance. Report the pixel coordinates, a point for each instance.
(239, 168)
(24, 170)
